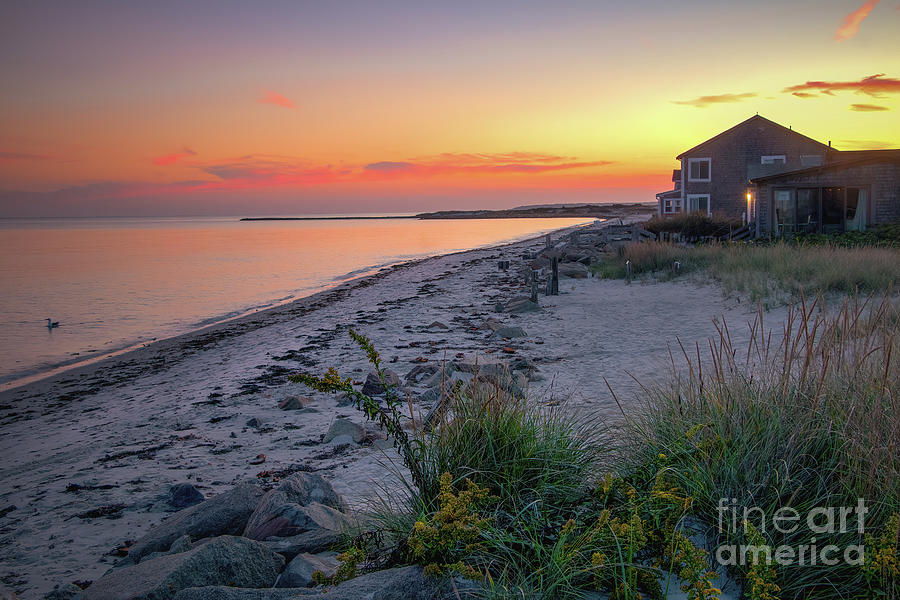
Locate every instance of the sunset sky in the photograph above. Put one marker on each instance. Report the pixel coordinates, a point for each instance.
(261, 108)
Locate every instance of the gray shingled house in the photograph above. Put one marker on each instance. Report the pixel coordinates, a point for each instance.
(785, 182)
(715, 175)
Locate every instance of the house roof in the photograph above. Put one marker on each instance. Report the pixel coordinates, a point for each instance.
(842, 159)
(669, 194)
(753, 119)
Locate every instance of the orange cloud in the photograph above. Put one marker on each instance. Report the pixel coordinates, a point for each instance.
(868, 107)
(463, 163)
(171, 159)
(804, 95)
(850, 25)
(276, 99)
(873, 85)
(704, 101)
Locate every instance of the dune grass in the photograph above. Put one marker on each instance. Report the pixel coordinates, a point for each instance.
(534, 504)
(764, 271)
(809, 421)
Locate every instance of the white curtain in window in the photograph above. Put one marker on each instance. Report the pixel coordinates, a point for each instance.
(858, 222)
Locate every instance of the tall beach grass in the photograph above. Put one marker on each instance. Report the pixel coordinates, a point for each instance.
(802, 419)
(764, 270)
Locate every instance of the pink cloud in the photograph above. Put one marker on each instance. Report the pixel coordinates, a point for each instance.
(171, 159)
(850, 25)
(873, 85)
(277, 99)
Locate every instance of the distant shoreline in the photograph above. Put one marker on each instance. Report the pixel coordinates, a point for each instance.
(599, 211)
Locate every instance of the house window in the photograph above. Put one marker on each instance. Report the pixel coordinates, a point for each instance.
(827, 210)
(699, 169)
(796, 210)
(672, 206)
(811, 160)
(698, 203)
(773, 159)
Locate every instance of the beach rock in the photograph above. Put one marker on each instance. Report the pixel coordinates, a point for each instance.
(342, 440)
(421, 372)
(255, 423)
(230, 593)
(311, 541)
(224, 560)
(574, 270)
(342, 426)
(373, 385)
(521, 305)
(183, 495)
(508, 331)
(299, 489)
(66, 591)
(401, 583)
(299, 572)
(484, 369)
(293, 520)
(223, 514)
(182, 544)
(345, 400)
(490, 324)
(294, 403)
(280, 508)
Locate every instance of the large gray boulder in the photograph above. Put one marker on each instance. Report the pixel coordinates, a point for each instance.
(314, 521)
(402, 583)
(300, 489)
(299, 572)
(223, 514)
(230, 593)
(225, 560)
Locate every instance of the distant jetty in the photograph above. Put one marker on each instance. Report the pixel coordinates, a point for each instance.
(343, 218)
(539, 211)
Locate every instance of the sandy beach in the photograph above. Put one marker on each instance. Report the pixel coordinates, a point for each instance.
(90, 454)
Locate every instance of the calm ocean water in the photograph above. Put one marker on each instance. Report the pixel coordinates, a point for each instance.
(115, 283)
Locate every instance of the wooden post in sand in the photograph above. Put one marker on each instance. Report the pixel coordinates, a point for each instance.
(628, 271)
(554, 276)
(534, 285)
(549, 242)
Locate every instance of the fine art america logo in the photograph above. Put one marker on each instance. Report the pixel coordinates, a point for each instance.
(820, 521)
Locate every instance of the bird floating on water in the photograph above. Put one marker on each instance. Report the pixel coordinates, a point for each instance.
(51, 324)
